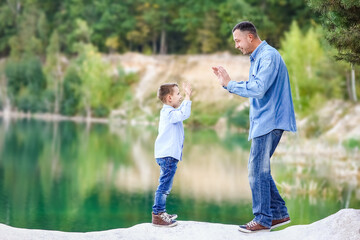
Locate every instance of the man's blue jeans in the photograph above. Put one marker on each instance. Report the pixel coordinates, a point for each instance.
(168, 166)
(267, 202)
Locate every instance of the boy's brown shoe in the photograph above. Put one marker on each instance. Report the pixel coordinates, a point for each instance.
(280, 222)
(163, 220)
(252, 227)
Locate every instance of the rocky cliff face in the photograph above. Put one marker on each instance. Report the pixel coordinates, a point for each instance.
(196, 69)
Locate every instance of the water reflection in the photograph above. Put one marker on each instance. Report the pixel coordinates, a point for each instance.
(67, 176)
(320, 170)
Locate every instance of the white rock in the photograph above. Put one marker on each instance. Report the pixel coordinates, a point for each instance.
(344, 225)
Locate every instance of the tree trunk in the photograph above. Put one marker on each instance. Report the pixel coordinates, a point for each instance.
(163, 47)
(16, 11)
(154, 44)
(58, 85)
(56, 107)
(88, 117)
(353, 87)
(297, 93)
(348, 85)
(7, 111)
(6, 101)
(88, 112)
(60, 79)
(263, 5)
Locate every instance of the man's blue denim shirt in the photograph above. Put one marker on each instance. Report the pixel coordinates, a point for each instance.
(268, 89)
(170, 139)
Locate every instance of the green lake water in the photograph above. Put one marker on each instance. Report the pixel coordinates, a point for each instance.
(71, 177)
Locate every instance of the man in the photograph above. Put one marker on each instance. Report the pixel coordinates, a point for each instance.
(271, 113)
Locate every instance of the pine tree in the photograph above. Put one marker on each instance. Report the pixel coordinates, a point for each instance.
(341, 18)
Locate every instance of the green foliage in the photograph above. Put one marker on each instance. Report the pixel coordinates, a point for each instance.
(70, 104)
(352, 143)
(82, 32)
(314, 127)
(7, 21)
(207, 37)
(113, 18)
(54, 72)
(232, 11)
(121, 87)
(276, 18)
(341, 19)
(83, 29)
(91, 86)
(306, 63)
(26, 84)
(204, 115)
(239, 118)
(112, 43)
(234, 140)
(95, 76)
(158, 26)
(30, 27)
(53, 50)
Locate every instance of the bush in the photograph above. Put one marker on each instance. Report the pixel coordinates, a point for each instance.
(90, 85)
(70, 104)
(26, 84)
(239, 119)
(204, 115)
(352, 143)
(101, 111)
(307, 60)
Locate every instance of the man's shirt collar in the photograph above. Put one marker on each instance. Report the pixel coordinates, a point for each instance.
(257, 50)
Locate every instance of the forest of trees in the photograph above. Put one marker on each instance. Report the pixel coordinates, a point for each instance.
(38, 37)
(155, 26)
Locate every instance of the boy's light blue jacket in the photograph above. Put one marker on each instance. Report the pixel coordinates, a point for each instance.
(268, 88)
(170, 139)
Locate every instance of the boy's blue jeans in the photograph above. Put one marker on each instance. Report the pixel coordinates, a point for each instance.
(267, 202)
(168, 166)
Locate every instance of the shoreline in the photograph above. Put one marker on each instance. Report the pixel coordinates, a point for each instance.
(50, 117)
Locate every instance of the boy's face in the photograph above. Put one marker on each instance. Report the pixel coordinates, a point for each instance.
(175, 98)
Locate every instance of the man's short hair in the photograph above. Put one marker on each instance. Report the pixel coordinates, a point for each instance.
(165, 89)
(246, 26)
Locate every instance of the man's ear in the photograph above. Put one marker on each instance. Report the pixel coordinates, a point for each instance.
(250, 37)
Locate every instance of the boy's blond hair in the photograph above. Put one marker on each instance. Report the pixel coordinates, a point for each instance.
(165, 89)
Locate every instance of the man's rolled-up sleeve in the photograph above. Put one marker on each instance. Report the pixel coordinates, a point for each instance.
(259, 82)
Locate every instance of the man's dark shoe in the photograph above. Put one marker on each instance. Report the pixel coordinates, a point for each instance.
(253, 227)
(163, 220)
(280, 222)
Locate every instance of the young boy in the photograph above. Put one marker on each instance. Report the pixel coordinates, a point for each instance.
(168, 146)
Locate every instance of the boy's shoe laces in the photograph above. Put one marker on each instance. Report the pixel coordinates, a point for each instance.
(171, 216)
(164, 216)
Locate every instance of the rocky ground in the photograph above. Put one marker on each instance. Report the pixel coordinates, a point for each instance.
(344, 225)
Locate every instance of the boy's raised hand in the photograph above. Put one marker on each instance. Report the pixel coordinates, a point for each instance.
(187, 89)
